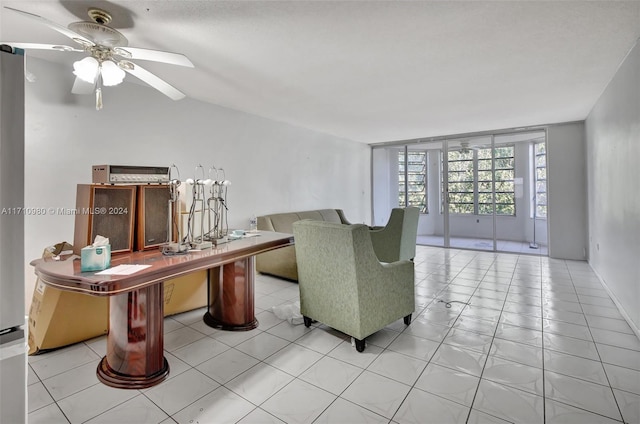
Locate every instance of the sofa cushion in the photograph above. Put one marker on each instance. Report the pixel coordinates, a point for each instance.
(283, 222)
(331, 215)
(314, 215)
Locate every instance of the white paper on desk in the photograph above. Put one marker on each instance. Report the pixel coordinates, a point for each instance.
(123, 270)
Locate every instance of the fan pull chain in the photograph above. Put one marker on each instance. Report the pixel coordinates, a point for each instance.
(98, 98)
(99, 88)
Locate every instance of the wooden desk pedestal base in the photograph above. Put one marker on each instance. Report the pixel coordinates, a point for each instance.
(231, 297)
(135, 355)
(135, 343)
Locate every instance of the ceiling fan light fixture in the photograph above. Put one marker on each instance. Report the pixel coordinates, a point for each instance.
(86, 69)
(111, 74)
(101, 43)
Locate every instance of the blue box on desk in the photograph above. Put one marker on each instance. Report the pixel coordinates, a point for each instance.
(95, 258)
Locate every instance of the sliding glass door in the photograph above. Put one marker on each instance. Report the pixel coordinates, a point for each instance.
(469, 184)
(482, 192)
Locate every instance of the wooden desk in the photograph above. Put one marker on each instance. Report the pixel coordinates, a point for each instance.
(135, 356)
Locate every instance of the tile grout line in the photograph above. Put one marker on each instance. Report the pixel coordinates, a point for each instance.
(491, 344)
(577, 356)
(434, 352)
(544, 384)
(615, 399)
(412, 387)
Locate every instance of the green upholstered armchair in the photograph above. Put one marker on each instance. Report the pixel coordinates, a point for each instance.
(344, 285)
(397, 240)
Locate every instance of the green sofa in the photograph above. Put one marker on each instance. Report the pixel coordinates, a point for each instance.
(344, 285)
(282, 262)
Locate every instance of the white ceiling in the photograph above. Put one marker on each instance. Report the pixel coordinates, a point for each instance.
(372, 71)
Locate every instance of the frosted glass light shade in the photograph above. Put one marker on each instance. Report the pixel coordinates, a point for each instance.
(111, 73)
(86, 69)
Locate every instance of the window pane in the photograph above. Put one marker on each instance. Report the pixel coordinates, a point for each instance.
(459, 155)
(416, 180)
(461, 184)
(541, 180)
(416, 169)
(485, 186)
(504, 175)
(505, 163)
(484, 175)
(505, 186)
(484, 198)
(485, 209)
(542, 199)
(460, 166)
(505, 209)
(461, 208)
(461, 198)
(504, 152)
(484, 154)
(460, 176)
(471, 180)
(461, 187)
(505, 198)
(484, 164)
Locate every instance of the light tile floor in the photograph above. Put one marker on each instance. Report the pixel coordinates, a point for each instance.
(539, 341)
(485, 244)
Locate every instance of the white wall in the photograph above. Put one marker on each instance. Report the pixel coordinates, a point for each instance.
(381, 174)
(566, 191)
(613, 151)
(11, 192)
(273, 167)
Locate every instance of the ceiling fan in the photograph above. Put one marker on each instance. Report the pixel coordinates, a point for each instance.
(465, 147)
(109, 55)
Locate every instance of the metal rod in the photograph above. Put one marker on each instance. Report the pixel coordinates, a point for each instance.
(493, 191)
(534, 245)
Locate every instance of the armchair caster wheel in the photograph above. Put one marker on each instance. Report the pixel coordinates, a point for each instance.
(407, 319)
(359, 345)
(307, 321)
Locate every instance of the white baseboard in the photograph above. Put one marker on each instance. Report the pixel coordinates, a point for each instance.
(621, 309)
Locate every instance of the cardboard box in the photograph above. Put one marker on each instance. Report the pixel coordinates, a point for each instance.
(59, 318)
(185, 293)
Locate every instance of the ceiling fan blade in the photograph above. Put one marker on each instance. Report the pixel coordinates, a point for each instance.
(38, 46)
(153, 55)
(61, 29)
(151, 79)
(82, 87)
